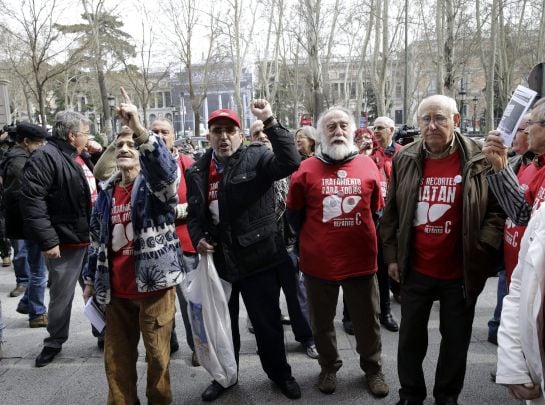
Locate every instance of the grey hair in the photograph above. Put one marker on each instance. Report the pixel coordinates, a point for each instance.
(446, 101)
(163, 119)
(320, 124)
(66, 122)
(387, 120)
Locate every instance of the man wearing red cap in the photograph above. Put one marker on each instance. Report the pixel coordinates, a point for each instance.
(231, 213)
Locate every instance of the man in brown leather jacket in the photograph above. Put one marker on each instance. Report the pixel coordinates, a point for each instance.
(442, 231)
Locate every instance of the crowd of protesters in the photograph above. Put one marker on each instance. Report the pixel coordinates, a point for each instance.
(307, 213)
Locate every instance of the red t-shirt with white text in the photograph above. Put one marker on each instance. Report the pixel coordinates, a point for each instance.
(122, 272)
(512, 233)
(214, 178)
(437, 242)
(338, 238)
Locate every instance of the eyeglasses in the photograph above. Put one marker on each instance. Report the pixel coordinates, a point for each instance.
(161, 131)
(220, 130)
(83, 133)
(440, 120)
(540, 122)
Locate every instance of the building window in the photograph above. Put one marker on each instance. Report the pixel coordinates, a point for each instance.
(168, 100)
(159, 99)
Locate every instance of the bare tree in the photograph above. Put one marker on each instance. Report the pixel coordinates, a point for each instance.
(35, 49)
(146, 77)
(184, 19)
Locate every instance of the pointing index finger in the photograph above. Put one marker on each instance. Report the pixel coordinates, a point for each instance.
(125, 96)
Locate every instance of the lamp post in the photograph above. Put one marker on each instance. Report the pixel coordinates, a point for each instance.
(462, 93)
(111, 104)
(475, 100)
(182, 112)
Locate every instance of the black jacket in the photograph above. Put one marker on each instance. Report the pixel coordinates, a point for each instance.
(12, 175)
(247, 235)
(55, 197)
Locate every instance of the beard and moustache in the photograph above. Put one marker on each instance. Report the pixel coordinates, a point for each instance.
(339, 151)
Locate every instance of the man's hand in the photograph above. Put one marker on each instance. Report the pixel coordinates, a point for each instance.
(495, 151)
(261, 109)
(93, 147)
(524, 391)
(393, 272)
(88, 292)
(128, 112)
(204, 247)
(53, 253)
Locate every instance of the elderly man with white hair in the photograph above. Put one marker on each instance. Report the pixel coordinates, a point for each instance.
(382, 155)
(441, 232)
(332, 202)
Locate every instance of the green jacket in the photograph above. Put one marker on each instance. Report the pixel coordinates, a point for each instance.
(482, 222)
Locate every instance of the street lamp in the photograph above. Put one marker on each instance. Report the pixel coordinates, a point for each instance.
(475, 100)
(462, 93)
(111, 104)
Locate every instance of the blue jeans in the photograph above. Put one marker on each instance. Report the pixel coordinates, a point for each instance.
(20, 264)
(33, 300)
(494, 322)
(191, 262)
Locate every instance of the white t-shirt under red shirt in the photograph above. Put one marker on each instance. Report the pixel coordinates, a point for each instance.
(337, 238)
(437, 241)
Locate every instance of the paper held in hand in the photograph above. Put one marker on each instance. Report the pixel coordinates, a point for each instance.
(520, 102)
(93, 312)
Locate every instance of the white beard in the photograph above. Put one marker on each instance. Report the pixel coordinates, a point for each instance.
(339, 151)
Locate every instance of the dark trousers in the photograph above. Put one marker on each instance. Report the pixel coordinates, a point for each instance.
(261, 294)
(361, 297)
(383, 282)
(300, 322)
(455, 322)
(502, 291)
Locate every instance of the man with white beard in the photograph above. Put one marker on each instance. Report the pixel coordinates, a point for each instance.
(332, 203)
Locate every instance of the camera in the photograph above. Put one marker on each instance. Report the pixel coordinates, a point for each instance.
(406, 134)
(11, 130)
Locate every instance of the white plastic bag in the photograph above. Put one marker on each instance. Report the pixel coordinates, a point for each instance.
(207, 296)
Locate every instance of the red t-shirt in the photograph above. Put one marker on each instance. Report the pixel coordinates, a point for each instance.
(383, 161)
(214, 178)
(184, 162)
(122, 270)
(437, 242)
(535, 194)
(338, 238)
(512, 234)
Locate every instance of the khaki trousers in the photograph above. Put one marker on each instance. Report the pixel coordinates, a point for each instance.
(126, 319)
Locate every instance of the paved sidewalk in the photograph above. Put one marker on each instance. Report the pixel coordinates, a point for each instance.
(76, 376)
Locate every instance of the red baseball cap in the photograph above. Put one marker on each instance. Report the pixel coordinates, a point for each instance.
(224, 113)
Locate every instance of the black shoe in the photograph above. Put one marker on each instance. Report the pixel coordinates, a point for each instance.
(174, 347)
(407, 402)
(447, 401)
(22, 309)
(348, 327)
(493, 376)
(285, 320)
(100, 344)
(213, 392)
(46, 356)
(389, 322)
(290, 388)
(493, 339)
